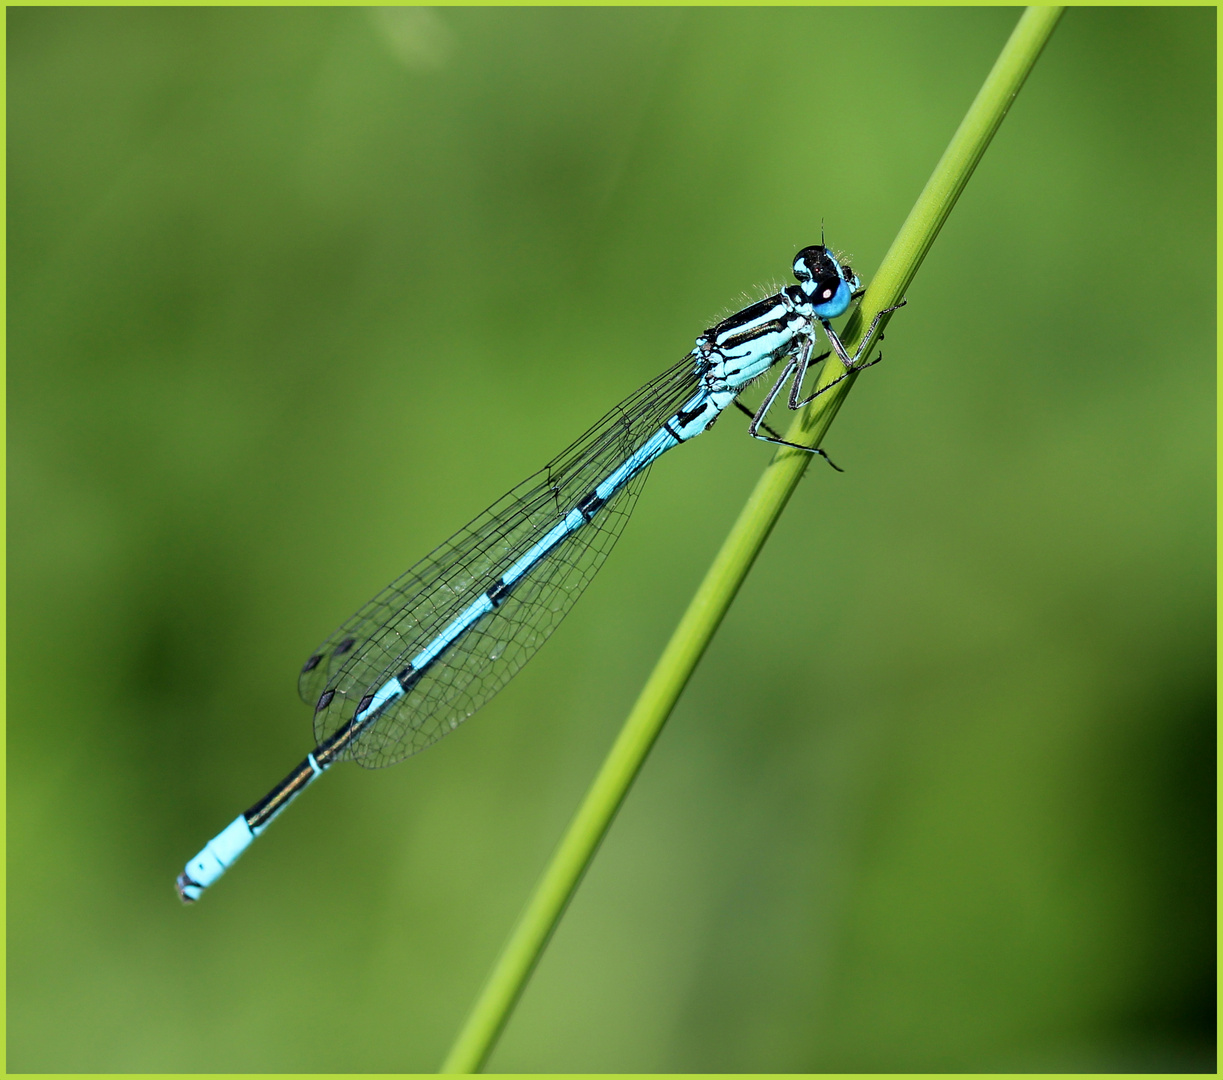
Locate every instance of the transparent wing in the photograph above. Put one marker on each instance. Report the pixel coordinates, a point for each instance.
(382, 637)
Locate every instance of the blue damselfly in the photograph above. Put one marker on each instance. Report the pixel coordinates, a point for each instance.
(436, 644)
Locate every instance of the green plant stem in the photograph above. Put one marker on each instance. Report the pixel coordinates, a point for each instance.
(732, 563)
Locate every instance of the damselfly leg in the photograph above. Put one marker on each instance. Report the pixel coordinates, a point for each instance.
(851, 363)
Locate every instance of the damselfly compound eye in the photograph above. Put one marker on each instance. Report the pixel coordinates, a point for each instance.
(826, 289)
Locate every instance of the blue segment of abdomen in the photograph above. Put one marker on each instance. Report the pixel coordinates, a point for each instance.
(457, 625)
(388, 690)
(658, 442)
(550, 539)
(392, 688)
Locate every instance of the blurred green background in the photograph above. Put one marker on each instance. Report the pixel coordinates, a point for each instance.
(294, 293)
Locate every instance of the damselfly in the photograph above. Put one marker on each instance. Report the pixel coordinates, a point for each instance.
(435, 645)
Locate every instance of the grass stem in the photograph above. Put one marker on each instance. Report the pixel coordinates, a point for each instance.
(732, 563)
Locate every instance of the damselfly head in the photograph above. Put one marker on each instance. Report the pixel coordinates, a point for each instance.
(824, 280)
